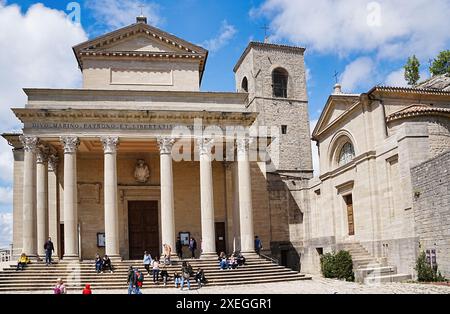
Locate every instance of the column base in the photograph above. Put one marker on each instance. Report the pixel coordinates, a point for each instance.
(70, 258)
(115, 258)
(209, 255)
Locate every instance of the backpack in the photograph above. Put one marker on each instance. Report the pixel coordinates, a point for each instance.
(139, 277)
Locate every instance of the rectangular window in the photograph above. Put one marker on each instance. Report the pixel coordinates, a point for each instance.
(284, 129)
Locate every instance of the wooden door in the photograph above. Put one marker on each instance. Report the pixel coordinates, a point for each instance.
(350, 217)
(143, 228)
(220, 237)
(61, 241)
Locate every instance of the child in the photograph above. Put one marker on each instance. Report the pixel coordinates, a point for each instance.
(87, 289)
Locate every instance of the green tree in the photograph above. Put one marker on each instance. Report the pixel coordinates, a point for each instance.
(441, 64)
(412, 75)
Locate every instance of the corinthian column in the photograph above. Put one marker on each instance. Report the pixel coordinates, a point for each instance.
(70, 144)
(111, 209)
(245, 197)
(42, 197)
(29, 196)
(167, 202)
(207, 198)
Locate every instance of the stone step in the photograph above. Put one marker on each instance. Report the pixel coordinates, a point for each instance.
(387, 278)
(362, 273)
(124, 272)
(38, 276)
(160, 286)
(147, 278)
(148, 281)
(226, 273)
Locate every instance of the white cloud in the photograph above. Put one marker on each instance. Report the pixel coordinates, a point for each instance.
(114, 14)
(226, 33)
(391, 28)
(358, 74)
(5, 229)
(6, 162)
(6, 196)
(35, 51)
(315, 150)
(397, 78)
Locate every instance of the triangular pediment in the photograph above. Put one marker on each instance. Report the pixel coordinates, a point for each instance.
(336, 107)
(140, 40)
(142, 43)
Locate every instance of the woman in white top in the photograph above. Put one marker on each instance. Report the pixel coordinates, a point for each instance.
(155, 266)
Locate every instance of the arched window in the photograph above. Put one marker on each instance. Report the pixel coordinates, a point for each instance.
(346, 154)
(280, 83)
(244, 85)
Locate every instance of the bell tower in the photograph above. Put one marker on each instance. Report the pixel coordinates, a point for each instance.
(275, 78)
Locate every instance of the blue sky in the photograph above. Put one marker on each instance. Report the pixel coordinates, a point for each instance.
(367, 42)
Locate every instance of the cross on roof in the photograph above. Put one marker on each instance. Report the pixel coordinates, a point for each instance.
(142, 7)
(336, 74)
(266, 28)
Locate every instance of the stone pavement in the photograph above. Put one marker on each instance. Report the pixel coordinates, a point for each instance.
(315, 286)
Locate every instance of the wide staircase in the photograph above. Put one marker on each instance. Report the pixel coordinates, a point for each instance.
(371, 270)
(39, 277)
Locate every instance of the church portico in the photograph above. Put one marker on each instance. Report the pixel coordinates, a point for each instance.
(188, 195)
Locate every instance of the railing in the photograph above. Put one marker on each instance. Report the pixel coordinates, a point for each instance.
(6, 255)
(269, 258)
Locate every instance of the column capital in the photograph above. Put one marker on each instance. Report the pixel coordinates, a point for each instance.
(53, 161)
(29, 143)
(165, 145)
(205, 145)
(110, 144)
(243, 144)
(42, 154)
(70, 143)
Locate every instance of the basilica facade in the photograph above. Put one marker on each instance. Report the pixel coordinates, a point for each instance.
(140, 156)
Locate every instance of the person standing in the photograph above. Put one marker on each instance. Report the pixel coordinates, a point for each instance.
(49, 249)
(258, 245)
(179, 248)
(192, 246)
(167, 251)
(147, 262)
(87, 289)
(164, 275)
(155, 265)
(131, 280)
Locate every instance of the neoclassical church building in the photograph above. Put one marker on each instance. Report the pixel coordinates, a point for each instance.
(124, 164)
(139, 156)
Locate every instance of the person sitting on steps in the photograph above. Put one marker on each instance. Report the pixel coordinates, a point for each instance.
(107, 264)
(200, 277)
(22, 262)
(98, 263)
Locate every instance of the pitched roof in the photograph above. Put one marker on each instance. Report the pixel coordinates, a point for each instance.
(418, 110)
(439, 82)
(100, 46)
(256, 44)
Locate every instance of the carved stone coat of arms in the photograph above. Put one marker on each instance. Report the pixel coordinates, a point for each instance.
(141, 172)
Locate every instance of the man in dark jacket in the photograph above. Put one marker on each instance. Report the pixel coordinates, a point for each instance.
(179, 248)
(192, 246)
(49, 249)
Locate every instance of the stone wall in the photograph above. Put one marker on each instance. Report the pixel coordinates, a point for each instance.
(431, 206)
